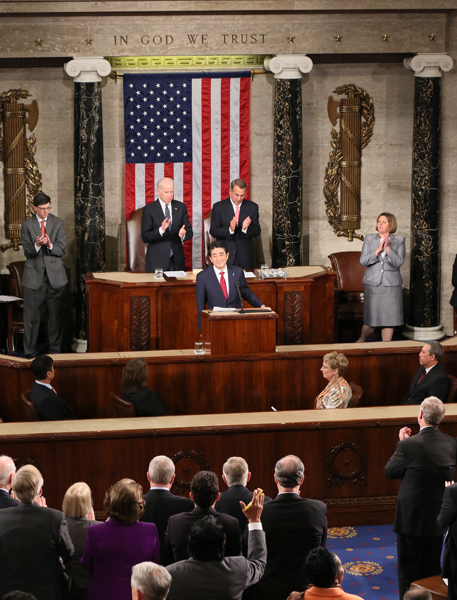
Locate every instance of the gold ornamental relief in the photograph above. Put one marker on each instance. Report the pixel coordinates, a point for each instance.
(343, 172)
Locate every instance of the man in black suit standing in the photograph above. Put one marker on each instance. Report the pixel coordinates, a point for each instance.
(33, 539)
(431, 378)
(236, 221)
(7, 472)
(161, 504)
(447, 519)
(204, 491)
(423, 462)
(49, 404)
(165, 226)
(293, 527)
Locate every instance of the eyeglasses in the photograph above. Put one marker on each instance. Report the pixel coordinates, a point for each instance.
(44, 208)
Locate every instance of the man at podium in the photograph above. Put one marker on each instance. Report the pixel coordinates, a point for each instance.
(221, 285)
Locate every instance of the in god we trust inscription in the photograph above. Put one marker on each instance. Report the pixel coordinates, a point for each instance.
(192, 39)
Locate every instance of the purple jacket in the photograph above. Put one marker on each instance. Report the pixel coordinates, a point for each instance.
(111, 550)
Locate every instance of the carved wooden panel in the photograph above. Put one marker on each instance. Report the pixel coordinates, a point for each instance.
(293, 318)
(187, 463)
(346, 462)
(140, 319)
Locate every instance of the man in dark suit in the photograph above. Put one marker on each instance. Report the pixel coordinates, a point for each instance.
(204, 491)
(448, 519)
(7, 472)
(293, 527)
(236, 221)
(43, 240)
(217, 285)
(208, 574)
(165, 226)
(161, 504)
(33, 538)
(431, 378)
(423, 462)
(49, 404)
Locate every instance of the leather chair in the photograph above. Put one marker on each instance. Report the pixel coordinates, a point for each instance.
(122, 408)
(452, 394)
(136, 248)
(348, 291)
(357, 393)
(31, 413)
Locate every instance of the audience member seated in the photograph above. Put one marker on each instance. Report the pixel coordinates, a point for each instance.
(326, 573)
(150, 582)
(207, 574)
(114, 547)
(49, 404)
(134, 379)
(18, 596)
(417, 594)
(77, 507)
(33, 538)
(236, 474)
(204, 491)
(293, 527)
(7, 472)
(161, 504)
(430, 379)
(338, 391)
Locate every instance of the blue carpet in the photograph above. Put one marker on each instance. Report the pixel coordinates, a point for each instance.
(369, 557)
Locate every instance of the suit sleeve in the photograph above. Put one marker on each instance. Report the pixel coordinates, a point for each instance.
(87, 558)
(368, 256)
(440, 387)
(53, 413)
(58, 241)
(219, 230)
(186, 223)
(66, 549)
(254, 228)
(167, 557)
(156, 552)
(396, 257)
(200, 295)
(448, 508)
(28, 244)
(395, 467)
(149, 230)
(247, 294)
(257, 556)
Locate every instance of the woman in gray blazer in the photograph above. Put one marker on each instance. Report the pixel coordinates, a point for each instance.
(383, 254)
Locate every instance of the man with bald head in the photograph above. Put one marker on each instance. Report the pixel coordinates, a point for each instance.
(165, 226)
(7, 472)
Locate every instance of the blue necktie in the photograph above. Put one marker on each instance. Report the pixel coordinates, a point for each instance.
(168, 216)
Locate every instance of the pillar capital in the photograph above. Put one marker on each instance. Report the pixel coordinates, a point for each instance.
(88, 69)
(429, 65)
(289, 66)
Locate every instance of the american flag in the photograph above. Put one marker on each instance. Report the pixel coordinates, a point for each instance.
(193, 128)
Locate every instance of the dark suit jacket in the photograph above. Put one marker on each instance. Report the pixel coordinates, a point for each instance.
(7, 501)
(453, 300)
(32, 538)
(50, 405)
(448, 519)
(146, 402)
(78, 577)
(423, 462)
(160, 506)
(212, 579)
(179, 526)
(229, 503)
(241, 251)
(293, 526)
(209, 292)
(435, 383)
(158, 252)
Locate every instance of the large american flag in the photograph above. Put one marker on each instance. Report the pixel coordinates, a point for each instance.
(193, 128)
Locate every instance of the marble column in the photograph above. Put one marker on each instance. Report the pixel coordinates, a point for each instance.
(424, 311)
(89, 178)
(287, 158)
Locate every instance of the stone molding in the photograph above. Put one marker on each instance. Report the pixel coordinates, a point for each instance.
(289, 66)
(88, 69)
(429, 65)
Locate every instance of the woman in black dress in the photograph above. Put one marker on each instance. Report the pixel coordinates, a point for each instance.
(134, 389)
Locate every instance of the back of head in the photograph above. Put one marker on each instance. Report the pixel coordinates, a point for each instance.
(289, 471)
(27, 483)
(417, 594)
(207, 539)
(124, 501)
(41, 365)
(236, 471)
(153, 581)
(433, 410)
(7, 468)
(17, 595)
(205, 488)
(437, 349)
(322, 568)
(161, 470)
(77, 501)
(135, 375)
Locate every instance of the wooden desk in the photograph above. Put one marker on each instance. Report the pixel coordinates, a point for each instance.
(133, 311)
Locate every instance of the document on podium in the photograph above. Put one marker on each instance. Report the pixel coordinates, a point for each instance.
(224, 309)
(9, 298)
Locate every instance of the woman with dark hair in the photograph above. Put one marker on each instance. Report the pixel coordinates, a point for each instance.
(134, 389)
(325, 571)
(114, 547)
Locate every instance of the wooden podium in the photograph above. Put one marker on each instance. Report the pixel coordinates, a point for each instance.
(230, 333)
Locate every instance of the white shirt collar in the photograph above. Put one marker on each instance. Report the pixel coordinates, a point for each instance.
(48, 385)
(430, 368)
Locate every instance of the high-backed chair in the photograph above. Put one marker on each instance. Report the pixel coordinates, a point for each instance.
(348, 290)
(452, 394)
(357, 393)
(122, 408)
(136, 248)
(15, 309)
(31, 413)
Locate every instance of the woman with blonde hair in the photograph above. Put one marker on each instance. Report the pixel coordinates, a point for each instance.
(338, 392)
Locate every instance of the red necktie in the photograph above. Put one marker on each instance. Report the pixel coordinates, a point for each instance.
(421, 377)
(237, 213)
(43, 227)
(224, 285)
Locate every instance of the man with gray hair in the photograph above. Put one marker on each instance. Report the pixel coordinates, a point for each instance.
(423, 462)
(293, 527)
(33, 540)
(430, 379)
(150, 582)
(7, 472)
(161, 504)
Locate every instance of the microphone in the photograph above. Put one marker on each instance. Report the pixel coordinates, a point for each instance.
(237, 285)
